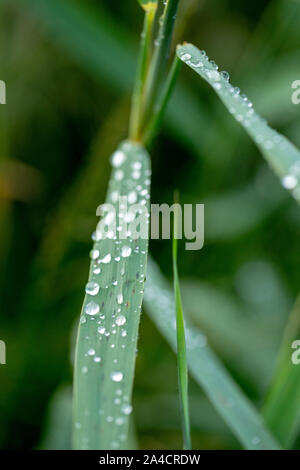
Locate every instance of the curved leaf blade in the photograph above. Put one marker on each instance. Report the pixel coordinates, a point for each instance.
(181, 346)
(280, 153)
(108, 330)
(228, 399)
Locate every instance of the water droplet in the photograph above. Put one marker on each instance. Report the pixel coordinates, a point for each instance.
(94, 254)
(136, 165)
(92, 308)
(120, 299)
(126, 251)
(126, 409)
(225, 75)
(118, 158)
(106, 259)
(92, 288)
(120, 320)
(132, 197)
(119, 175)
(97, 359)
(117, 376)
(289, 182)
(119, 421)
(186, 57)
(114, 196)
(91, 352)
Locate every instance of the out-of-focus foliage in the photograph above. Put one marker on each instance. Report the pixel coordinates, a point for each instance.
(67, 109)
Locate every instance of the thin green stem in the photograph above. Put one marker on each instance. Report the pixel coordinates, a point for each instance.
(159, 110)
(141, 76)
(181, 346)
(160, 57)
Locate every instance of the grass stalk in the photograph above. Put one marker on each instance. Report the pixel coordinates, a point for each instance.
(141, 75)
(181, 346)
(160, 57)
(160, 108)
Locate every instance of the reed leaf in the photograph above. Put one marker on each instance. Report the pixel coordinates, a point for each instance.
(228, 399)
(108, 331)
(181, 346)
(280, 153)
(281, 409)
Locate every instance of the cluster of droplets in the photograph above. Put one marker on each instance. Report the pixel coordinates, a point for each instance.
(275, 147)
(107, 303)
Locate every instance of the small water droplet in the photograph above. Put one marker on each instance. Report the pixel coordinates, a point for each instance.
(120, 320)
(94, 254)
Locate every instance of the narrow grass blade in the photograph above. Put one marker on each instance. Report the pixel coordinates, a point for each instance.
(142, 69)
(229, 400)
(160, 108)
(160, 57)
(281, 154)
(282, 407)
(80, 37)
(181, 347)
(108, 331)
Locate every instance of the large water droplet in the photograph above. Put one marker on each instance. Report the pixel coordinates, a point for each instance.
(106, 259)
(126, 409)
(126, 251)
(116, 376)
(92, 308)
(289, 182)
(118, 158)
(92, 288)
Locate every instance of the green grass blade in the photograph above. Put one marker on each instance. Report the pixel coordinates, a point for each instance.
(280, 153)
(80, 37)
(141, 76)
(229, 400)
(160, 108)
(160, 57)
(108, 331)
(282, 407)
(181, 347)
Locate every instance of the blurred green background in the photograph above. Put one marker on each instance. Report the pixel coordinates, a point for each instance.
(69, 67)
